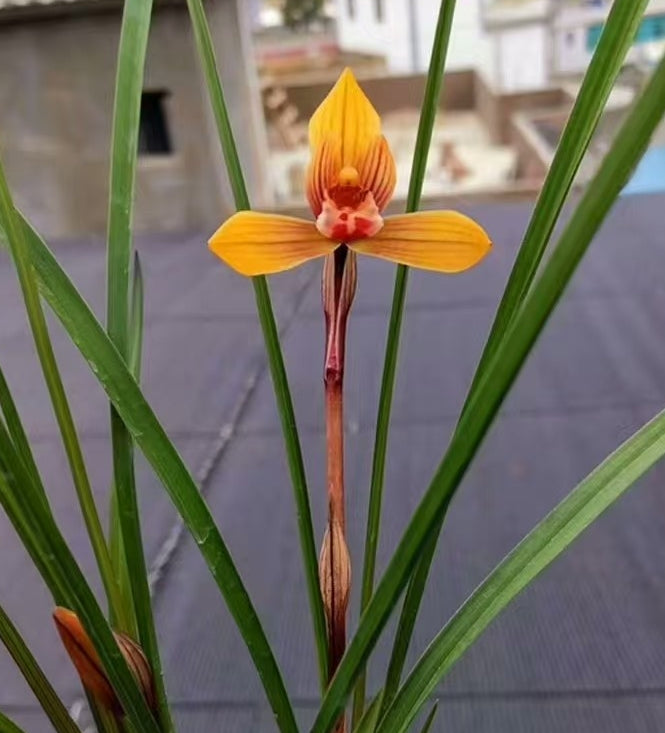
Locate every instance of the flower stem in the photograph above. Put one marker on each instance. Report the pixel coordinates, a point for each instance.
(338, 289)
(336, 518)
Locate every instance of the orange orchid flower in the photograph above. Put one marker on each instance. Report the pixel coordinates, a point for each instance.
(350, 181)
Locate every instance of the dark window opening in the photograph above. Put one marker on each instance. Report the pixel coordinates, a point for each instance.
(351, 8)
(378, 7)
(154, 137)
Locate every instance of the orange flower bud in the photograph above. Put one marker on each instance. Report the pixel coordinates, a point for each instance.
(89, 667)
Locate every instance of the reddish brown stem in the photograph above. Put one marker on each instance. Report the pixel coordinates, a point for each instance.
(338, 289)
(336, 516)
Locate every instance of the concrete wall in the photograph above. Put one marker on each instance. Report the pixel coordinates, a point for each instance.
(497, 110)
(56, 102)
(533, 154)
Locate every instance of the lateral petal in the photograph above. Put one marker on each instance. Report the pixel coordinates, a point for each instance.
(253, 243)
(444, 241)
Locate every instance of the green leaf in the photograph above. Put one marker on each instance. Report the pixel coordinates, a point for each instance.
(617, 38)
(17, 432)
(124, 146)
(34, 676)
(206, 51)
(540, 547)
(115, 535)
(18, 508)
(136, 320)
(611, 177)
(19, 514)
(408, 615)
(370, 717)
(8, 726)
(17, 246)
(53, 554)
(428, 113)
(121, 388)
(271, 337)
(430, 719)
(615, 42)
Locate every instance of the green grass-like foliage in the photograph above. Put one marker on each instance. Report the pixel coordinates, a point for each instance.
(114, 356)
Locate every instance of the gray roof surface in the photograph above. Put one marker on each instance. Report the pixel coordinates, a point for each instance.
(582, 650)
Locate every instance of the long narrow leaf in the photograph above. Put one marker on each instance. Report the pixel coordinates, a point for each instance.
(615, 42)
(429, 722)
(271, 337)
(16, 430)
(8, 726)
(124, 146)
(126, 115)
(428, 113)
(135, 354)
(34, 676)
(15, 483)
(598, 81)
(370, 717)
(407, 618)
(116, 549)
(121, 388)
(17, 246)
(541, 546)
(18, 506)
(612, 175)
(19, 513)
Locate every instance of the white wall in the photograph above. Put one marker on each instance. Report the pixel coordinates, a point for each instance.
(570, 52)
(363, 33)
(522, 58)
(468, 44)
(394, 37)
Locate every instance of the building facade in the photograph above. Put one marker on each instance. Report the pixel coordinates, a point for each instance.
(56, 101)
(535, 43)
(576, 28)
(517, 45)
(403, 30)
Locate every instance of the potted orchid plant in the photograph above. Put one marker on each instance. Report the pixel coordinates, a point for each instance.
(350, 180)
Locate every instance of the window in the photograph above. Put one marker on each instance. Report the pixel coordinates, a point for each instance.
(351, 8)
(378, 9)
(154, 138)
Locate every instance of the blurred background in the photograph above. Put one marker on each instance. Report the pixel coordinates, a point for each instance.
(581, 650)
(514, 67)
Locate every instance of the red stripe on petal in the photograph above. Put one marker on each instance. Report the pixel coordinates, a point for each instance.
(377, 172)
